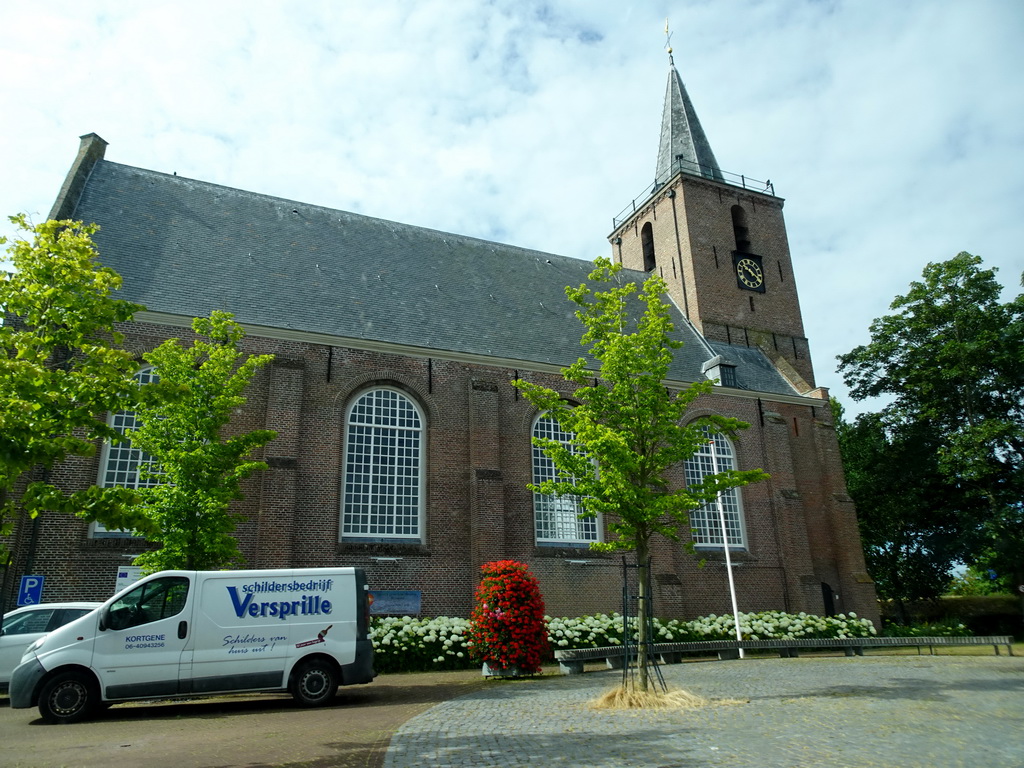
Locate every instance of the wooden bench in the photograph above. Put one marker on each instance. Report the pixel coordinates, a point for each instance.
(571, 662)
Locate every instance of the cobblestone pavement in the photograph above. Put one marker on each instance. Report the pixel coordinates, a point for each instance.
(905, 711)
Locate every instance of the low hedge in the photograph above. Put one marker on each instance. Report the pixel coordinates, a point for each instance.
(409, 644)
(980, 614)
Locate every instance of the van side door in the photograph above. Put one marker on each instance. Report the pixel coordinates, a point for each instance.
(241, 642)
(143, 637)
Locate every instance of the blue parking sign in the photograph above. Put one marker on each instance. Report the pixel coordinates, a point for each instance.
(31, 592)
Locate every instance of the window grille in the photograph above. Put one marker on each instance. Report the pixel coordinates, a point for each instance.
(556, 518)
(125, 466)
(716, 454)
(383, 467)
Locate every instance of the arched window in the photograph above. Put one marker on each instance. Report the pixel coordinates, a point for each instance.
(647, 243)
(740, 229)
(556, 518)
(383, 482)
(121, 464)
(714, 456)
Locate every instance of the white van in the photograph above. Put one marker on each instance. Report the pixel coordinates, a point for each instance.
(188, 633)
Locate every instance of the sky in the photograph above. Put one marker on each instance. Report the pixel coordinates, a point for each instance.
(894, 131)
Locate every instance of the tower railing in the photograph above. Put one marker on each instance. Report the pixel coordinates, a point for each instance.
(691, 168)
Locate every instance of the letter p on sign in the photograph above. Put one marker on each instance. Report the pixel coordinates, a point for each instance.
(31, 591)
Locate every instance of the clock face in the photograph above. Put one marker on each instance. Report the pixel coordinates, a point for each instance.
(749, 273)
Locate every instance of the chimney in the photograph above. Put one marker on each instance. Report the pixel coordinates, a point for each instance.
(90, 151)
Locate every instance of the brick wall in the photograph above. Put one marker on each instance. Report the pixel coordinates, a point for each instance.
(692, 227)
(477, 508)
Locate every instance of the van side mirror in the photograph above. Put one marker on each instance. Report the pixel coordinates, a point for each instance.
(104, 618)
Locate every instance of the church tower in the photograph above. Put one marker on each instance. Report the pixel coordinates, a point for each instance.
(719, 241)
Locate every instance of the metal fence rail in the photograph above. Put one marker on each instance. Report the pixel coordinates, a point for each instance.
(694, 169)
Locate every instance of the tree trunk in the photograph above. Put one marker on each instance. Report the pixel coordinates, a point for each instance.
(642, 557)
(901, 611)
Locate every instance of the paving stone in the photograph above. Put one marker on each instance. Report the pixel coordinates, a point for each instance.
(905, 711)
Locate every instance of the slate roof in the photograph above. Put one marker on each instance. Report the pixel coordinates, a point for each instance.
(188, 247)
(683, 145)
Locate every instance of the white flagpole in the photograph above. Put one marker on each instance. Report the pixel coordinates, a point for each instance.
(725, 545)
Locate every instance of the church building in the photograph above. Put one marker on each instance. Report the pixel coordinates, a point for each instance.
(403, 448)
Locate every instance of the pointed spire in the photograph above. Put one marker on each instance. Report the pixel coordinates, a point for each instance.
(683, 143)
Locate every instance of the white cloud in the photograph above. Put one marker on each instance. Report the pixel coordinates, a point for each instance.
(892, 130)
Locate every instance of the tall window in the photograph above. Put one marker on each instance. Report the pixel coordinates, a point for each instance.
(383, 484)
(740, 229)
(121, 464)
(715, 455)
(556, 518)
(647, 245)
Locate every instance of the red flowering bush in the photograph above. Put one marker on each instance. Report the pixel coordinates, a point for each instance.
(507, 627)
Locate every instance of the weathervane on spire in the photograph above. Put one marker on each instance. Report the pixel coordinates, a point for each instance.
(668, 42)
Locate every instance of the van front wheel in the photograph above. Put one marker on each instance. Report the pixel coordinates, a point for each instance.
(314, 683)
(69, 697)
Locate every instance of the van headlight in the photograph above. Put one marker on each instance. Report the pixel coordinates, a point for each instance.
(34, 647)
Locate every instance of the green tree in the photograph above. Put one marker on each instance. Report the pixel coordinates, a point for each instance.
(915, 524)
(628, 427)
(62, 369)
(182, 417)
(979, 581)
(950, 357)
